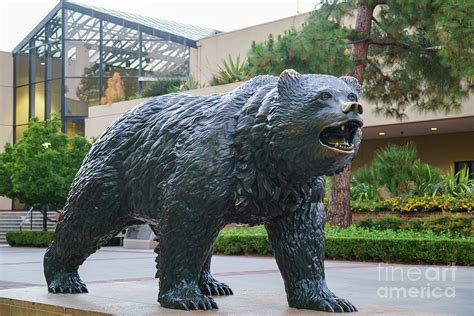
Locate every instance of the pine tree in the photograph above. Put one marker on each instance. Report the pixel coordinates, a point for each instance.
(417, 53)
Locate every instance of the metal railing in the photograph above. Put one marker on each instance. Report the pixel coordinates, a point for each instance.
(24, 218)
(29, 215)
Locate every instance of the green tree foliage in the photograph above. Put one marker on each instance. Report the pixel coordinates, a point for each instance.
(395, 170)
(321, 46)
(420, 52)
(41, 166)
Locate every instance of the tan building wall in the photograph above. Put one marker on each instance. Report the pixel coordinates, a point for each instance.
(440, 150)
(6, 109)
(211, 51)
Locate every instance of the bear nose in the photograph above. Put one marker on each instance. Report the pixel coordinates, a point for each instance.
(352, 107)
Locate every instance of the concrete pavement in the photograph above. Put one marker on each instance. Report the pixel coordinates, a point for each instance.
(121, 281)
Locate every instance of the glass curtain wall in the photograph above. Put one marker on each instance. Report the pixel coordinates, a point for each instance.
(38, 76)
(103, 63)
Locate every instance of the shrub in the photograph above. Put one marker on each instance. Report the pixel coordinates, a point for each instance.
(397, 170)
(29, 238)
(456, 184)
(160, 87)
(230, 72)
(355, 243)
(427, 251)
(243, 240)
(447, 225)
(189, 84)
(40, 239)
(406, 203)
(387, 222)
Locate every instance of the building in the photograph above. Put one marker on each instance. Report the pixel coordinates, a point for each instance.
(48, 72)
(66, 63)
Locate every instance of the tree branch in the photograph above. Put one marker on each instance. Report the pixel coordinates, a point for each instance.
(378, 41)
(377, 22)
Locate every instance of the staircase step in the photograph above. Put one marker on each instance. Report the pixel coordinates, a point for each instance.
(10, 221)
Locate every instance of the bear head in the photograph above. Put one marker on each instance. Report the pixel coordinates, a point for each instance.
(315, 122)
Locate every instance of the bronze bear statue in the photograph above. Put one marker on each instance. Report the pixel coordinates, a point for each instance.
(189, 165)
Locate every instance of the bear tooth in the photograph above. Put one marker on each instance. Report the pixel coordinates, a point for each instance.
(342, 128)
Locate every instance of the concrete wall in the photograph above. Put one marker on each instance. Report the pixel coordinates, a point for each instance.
(101, 116)
(211, 51)
(6, 109)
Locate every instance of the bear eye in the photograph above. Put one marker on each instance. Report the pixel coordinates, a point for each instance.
(352, 97)
(325, 96)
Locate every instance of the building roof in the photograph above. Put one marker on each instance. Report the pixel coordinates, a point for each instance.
(179, 33)
(179, 29)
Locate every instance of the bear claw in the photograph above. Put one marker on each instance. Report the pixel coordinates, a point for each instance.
(330, 304)
(67, 283)
(186, 297)
(211, 286)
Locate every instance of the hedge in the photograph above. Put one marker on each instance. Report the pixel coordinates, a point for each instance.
(440, 250)
(448, 225)
(39, 239)
(29, 238)
(425, 251)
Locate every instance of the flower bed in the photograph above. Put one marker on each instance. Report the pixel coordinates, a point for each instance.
(442, 203)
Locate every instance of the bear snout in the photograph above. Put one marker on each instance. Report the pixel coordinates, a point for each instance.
(355, 107)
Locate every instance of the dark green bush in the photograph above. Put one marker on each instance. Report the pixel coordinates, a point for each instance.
(40, 239)
(451, 225)
(243, 240)
(159, 87)
(387, 222)
(29, 238)
(442, 251)
(363, 245)
(448, 225)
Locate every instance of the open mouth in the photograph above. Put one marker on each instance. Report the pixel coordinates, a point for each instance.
(340, 137)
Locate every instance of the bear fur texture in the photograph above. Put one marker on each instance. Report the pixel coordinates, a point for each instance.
(189, 165)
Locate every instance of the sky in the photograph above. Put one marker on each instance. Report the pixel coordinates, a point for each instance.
(19, 17)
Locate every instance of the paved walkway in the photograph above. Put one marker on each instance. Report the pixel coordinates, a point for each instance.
(114, 273)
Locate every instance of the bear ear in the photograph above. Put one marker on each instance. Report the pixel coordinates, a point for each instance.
(352, 82)
(287, 81)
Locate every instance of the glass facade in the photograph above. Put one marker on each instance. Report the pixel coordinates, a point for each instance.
(80, 56)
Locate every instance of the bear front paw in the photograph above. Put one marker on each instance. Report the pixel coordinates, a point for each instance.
(67, 283)
(210, 286)
(186, 297)
(316, 295)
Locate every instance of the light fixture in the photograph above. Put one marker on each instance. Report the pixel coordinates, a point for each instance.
(42, 63)
(434, 128)
(381, 133)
